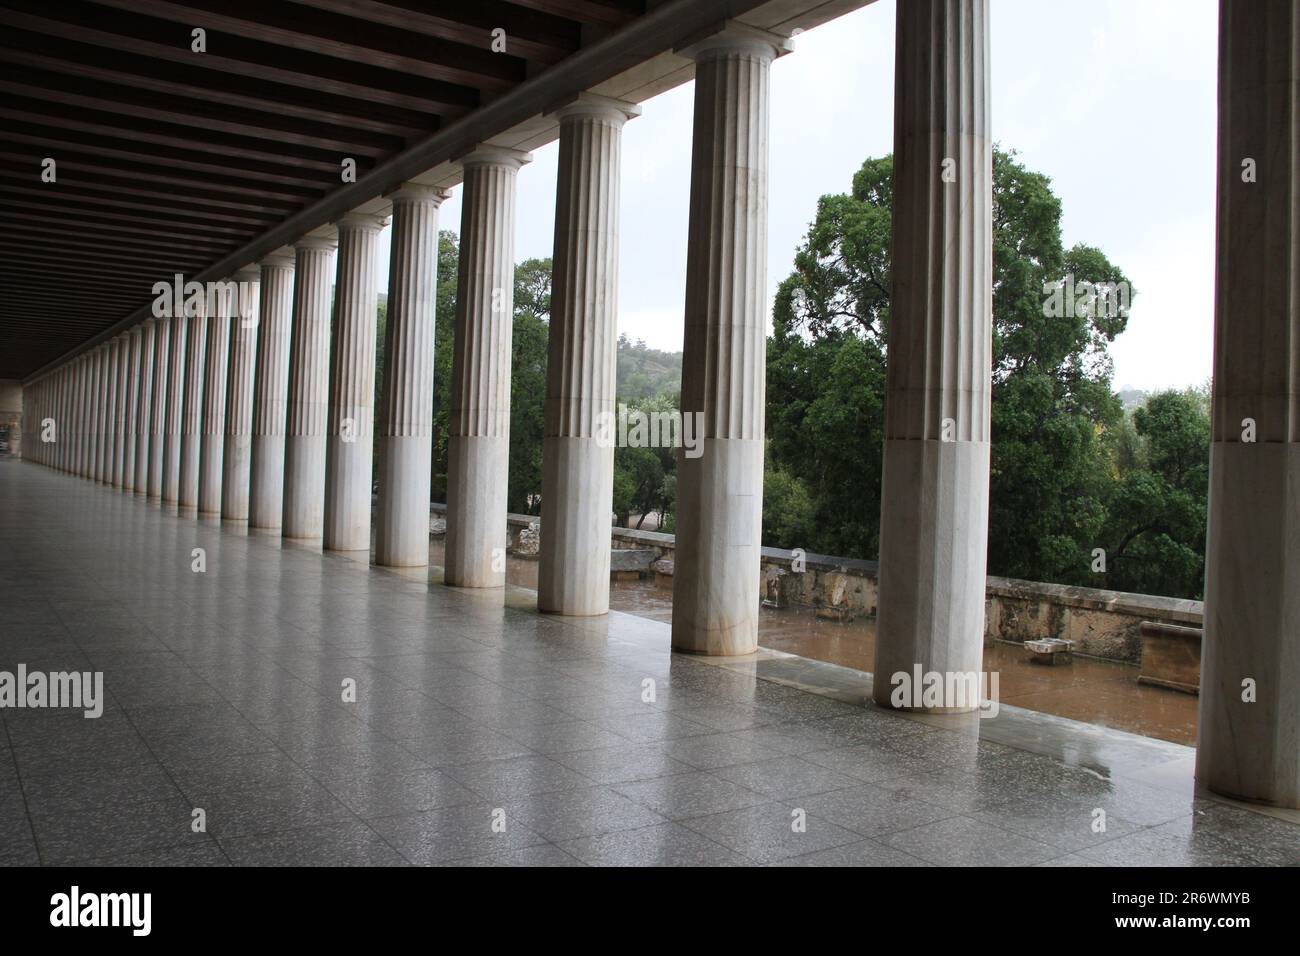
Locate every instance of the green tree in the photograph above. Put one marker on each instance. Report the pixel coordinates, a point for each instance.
(1052, 400)
(444, 334)
(532, 301)
(1155, 532)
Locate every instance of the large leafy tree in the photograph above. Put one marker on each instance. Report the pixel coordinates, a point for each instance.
(532, 295)
(1051, 377)
(444, 333)
(1154, 539)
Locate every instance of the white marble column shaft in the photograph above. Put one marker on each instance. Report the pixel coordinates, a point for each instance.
(934, 504)
(405, 426)
(177, 353)
(479, 419)
(237, 453)
(270, 393)
(196, 344)
(1248, 737)
(309, 352)
(134, 347)
(216, 361)
(158, 406)
(581, 365)
(720, 489)
(123, 409)
(144, 406)
(349, 446)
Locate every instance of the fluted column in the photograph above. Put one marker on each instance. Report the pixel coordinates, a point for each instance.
(934, 502)
(110, 412)
(237, 454)
(196, 345)
(84, 370)
(144, 406)
(406, 408)
(216, 362)
(720, 490)
(123, 411)
(101, 413)
(79, 373)
(132, 409)
(270, 393)
(174, 423)
(85, 437)
(158, 406)
(64, 433)
(1248, 741)
(78, 405)
(349, 447)
(479, 439)
(577, 460)
(309, 350)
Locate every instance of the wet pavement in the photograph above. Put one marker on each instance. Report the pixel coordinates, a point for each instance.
(321, 711)
(1097, 692)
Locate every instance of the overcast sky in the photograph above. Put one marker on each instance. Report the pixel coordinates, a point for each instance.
(1113, 99)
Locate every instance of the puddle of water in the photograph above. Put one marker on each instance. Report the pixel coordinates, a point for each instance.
(1095, 692)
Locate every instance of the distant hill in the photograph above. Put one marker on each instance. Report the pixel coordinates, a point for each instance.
(644, 372)
(1132, 397)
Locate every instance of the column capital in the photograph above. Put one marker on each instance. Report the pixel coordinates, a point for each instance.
(249, 273)
(595, 105)
(418, 192)
(733, 37)
(487, 155)
(327, 243)
(353, 221)
(281, 258)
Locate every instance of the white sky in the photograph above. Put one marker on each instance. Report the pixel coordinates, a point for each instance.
(1113, 99)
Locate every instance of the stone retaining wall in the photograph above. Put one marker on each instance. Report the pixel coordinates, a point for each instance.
(1104, 624)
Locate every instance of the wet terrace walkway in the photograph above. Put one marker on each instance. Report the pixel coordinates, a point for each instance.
(225, 694)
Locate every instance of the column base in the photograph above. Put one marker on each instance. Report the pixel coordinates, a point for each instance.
(716, 580)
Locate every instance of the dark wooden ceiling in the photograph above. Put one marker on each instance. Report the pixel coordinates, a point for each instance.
(168, 160)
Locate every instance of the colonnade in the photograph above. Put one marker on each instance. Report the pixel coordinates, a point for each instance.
(261, 407)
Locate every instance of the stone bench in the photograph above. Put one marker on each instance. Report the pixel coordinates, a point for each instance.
(1050, 651)
(1171, 657)
(628, 564)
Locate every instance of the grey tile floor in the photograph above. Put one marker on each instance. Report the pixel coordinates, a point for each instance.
(485, 734)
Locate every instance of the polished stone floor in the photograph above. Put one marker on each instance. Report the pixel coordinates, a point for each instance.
(485, 734)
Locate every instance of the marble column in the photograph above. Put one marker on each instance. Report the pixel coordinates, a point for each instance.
(196, 344)
(85, 369)
(86, 414)
(577, 457)
(1248, 741)
(144, 406)
(110, 412)
(309, 352)
(479, 420)
(123, 412)
(63, 431)
(78, 392)
(720, 488)
(349, 448)
(78, 414)
(934, 502)
(158, 406)
(270, 393)
(174, 423)
(237, 453)
(132, 409)
(100, 412)
(406, 408)
(216, 362)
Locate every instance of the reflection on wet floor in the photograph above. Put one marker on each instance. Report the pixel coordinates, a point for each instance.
(1096, 692)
